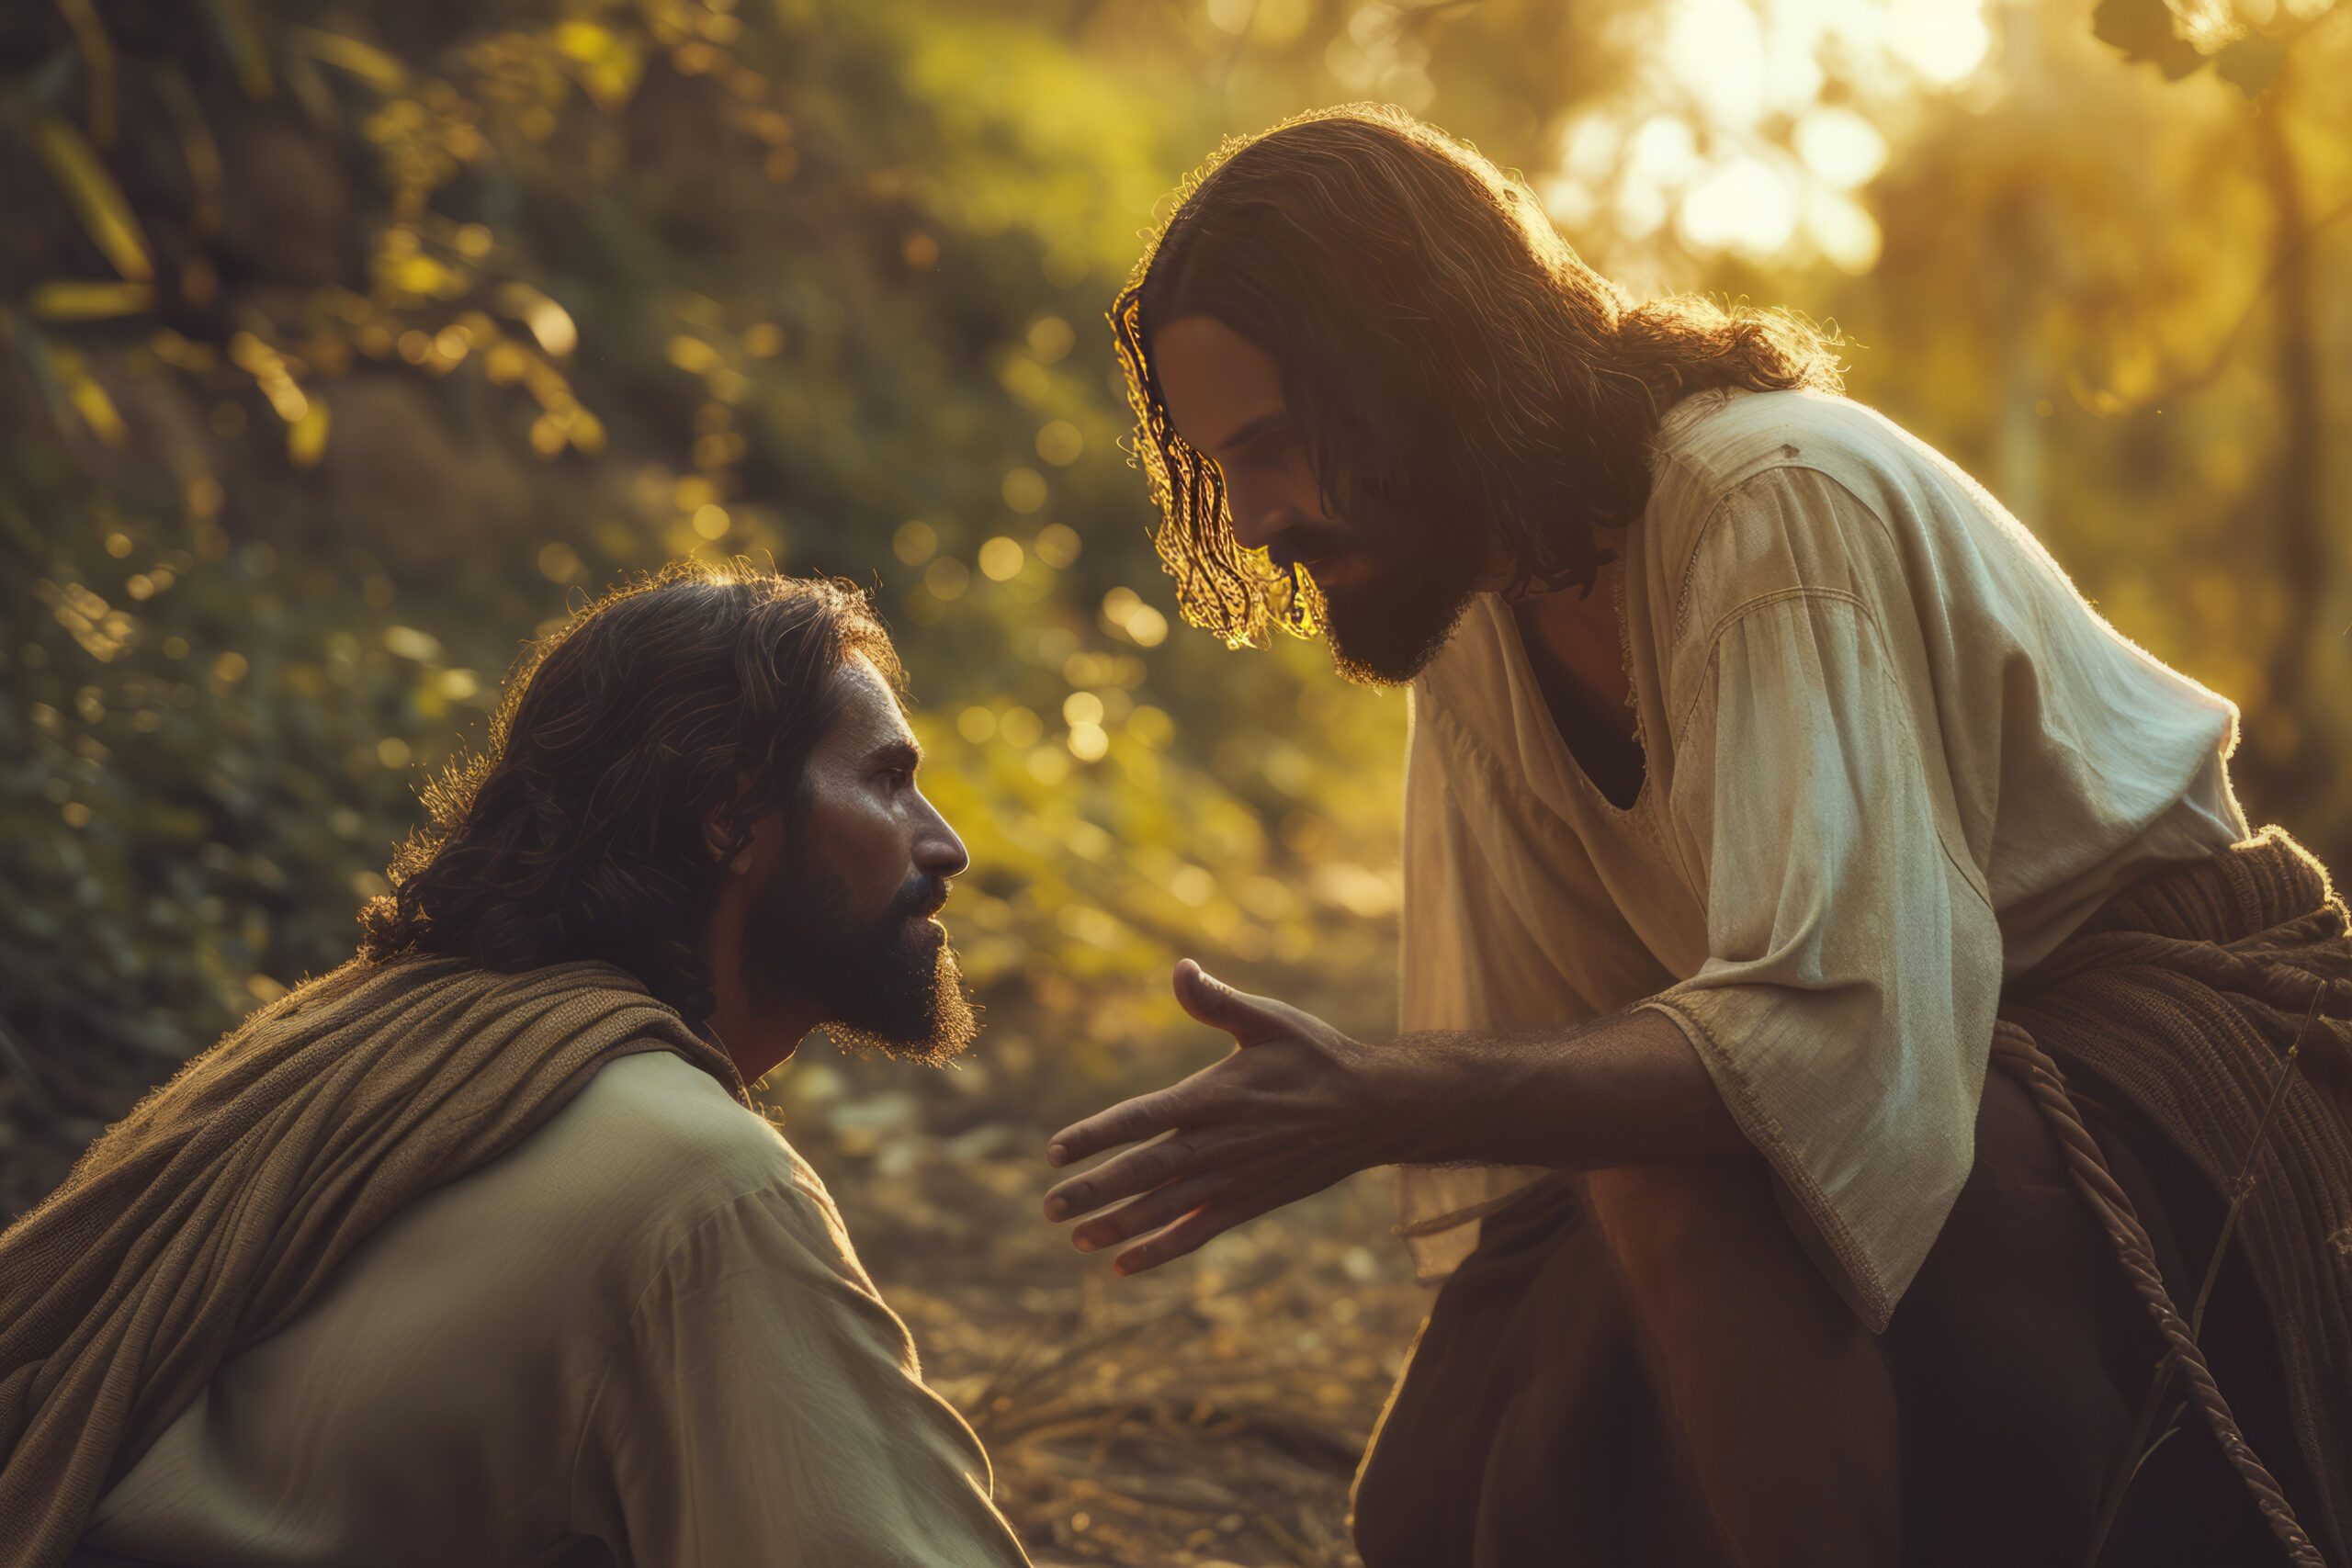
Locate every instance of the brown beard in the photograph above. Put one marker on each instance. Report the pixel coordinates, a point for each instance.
(1384, 630)
(891, 986)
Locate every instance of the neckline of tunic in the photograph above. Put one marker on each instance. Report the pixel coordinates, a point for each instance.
(1528, 714)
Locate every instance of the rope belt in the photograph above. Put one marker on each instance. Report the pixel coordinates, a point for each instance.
(2014, 1050)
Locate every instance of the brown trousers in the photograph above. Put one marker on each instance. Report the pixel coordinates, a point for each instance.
(1528, 1430)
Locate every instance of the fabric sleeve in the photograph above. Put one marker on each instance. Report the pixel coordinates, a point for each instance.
(769, 1410)
(1846, 1008)
(1468, 962)
(1469, 959)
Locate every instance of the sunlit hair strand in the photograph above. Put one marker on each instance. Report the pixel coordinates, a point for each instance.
(1447, 358)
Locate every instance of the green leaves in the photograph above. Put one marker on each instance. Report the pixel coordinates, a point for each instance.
(372, 65)
(619, 283)
(2250, 63)
(2143, 29)
(96, 198)
(2151, 30)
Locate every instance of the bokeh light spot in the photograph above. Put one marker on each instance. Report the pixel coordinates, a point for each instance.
(915, 543)
(1024, 489)
(1147, 626)
(1001, 560)
(1944, 40)
(559, 562)
(1840, 146)
(1745, 205)
(1021, 728)
(1843, 231)
(1191, 885)
(1050, 339)
(1152, 727)
(1059, 443)
(408, 642)
(946, 578)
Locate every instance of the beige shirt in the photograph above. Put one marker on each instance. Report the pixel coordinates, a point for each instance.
(1894, 758)
(639, 1338)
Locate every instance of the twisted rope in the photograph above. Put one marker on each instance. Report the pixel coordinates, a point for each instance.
(2014, 1050)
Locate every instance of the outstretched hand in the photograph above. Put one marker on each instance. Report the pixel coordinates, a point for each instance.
(1297, 1106)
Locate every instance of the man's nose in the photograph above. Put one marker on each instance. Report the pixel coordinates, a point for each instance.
(937, 851)
(1258, 525)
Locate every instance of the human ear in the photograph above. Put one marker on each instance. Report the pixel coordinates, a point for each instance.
(715, 838)
(719, 835)
(720, 829)
(742, 861)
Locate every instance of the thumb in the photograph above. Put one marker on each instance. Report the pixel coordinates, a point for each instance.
(1249, 1019)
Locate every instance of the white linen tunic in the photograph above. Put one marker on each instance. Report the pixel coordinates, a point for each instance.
(1893, 758)
(639, 1338)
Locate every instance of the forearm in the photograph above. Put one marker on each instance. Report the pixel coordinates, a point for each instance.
(1300, 1105)
(1626, 1089)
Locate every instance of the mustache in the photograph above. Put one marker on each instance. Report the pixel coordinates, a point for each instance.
(919, 898)
(1304, 542)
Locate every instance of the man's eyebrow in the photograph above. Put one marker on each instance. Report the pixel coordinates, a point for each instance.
(898, 754)
(1250, 430)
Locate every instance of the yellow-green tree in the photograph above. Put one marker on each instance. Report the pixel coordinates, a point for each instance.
(347, 345)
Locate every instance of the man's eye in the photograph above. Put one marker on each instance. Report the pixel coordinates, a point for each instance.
(1272, 449)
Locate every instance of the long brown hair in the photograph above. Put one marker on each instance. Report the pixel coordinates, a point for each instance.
(579, 832)
(1446, 356)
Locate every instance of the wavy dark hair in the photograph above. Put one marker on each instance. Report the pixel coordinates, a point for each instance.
(578, 832)
(1444, 354)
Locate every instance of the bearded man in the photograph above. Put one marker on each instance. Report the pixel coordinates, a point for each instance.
(1768, 783)
(475, 1251)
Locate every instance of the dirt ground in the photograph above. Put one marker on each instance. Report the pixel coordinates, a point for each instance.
(1209, 1412)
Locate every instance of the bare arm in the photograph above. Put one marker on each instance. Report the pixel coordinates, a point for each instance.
(1299, 1105)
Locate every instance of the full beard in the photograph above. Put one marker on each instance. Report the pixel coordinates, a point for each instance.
(1384, 630)
(891, 986)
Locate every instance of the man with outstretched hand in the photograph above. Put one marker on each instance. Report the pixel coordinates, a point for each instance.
(1841, 993)
(474, 1252)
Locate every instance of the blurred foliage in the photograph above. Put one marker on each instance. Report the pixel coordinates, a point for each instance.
(2139, 340)
(346, 349)
(2246, 43)
(347, 342)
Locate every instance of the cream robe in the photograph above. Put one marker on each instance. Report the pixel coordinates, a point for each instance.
(1894, 758)
(639, 1338)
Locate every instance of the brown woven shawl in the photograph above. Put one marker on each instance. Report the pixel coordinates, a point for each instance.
(215, 1212)
(2181, 998)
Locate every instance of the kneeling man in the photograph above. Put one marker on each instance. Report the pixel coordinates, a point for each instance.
(474, 1251)
(1780, 825)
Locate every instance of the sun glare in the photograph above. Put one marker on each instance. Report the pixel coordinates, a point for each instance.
(1727, 140)
(1943, 40)
(1744, 205)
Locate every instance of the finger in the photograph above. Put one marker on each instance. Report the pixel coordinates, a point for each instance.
(1147, 1212)
(1251, 1021)
(1155, 1164)
(1129, 1122)
(1204, 1225)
